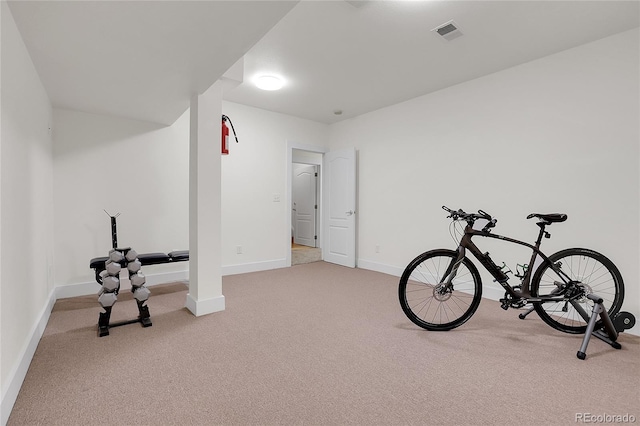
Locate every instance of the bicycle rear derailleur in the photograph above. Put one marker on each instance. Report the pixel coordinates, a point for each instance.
(510, 302)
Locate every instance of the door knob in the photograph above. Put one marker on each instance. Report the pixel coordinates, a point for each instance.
(350, 212)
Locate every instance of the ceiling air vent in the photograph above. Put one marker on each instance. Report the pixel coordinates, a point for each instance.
(448, 31)
(357, 3)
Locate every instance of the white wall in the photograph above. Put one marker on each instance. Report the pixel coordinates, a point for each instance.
(252, 174)
(140, 170)
(26, 223)
(556, 134)
(135, 168)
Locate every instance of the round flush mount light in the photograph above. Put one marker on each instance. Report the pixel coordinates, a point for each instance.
(269, 82)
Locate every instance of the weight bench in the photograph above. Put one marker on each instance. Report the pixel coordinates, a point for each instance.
(98, 263)
(123, 265)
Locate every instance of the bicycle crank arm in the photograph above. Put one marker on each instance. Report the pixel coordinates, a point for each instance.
(524, 314)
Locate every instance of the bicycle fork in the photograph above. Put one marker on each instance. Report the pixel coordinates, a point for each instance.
(452, 271)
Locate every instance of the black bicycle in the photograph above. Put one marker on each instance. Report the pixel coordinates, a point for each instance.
(441, 289)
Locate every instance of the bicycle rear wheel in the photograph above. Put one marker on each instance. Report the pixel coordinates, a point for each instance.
(591, 270)
(428, 302)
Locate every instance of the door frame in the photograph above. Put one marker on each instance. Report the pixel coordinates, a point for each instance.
(291, 145)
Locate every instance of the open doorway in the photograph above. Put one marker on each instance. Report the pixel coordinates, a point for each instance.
(336, 205)
(305, 199)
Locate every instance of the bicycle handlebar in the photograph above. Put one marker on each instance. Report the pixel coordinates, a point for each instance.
(471, 217)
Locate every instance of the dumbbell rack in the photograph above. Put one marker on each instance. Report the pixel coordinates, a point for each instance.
(104, 320)
(144, 317)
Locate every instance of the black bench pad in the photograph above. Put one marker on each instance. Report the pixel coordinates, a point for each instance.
(97, 262)
(146, 259)
(179, 255)
(153, 258)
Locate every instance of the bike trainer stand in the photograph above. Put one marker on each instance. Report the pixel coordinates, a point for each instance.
(622, 320)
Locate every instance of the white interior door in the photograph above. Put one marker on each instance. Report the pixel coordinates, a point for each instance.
(339, 207)
(304, 204)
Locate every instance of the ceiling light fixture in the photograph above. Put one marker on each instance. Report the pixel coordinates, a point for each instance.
(268, 82)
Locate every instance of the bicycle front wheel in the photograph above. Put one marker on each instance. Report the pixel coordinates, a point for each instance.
(588, 269)
(432, 304)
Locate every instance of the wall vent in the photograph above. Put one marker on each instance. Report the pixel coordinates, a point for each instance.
(448, 31)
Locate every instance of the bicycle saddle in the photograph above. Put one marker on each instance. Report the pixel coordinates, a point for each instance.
(551, 218)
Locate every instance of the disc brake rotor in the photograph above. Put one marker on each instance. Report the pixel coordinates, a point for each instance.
(441, 293)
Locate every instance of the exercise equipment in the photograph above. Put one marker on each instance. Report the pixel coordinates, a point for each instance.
(110, 283)
(123, 266)
(114, 275)
(608, 333)
(134, 266)
(141, 294)
(146, 259)
(107, 299)
(137, 280)
(113, 268)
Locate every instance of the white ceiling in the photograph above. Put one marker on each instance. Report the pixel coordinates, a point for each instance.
(143, 59)
(138, 59)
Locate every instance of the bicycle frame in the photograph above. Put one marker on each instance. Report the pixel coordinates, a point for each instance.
(525, 291)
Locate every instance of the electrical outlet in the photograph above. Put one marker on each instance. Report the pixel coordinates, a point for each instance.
(239, 249)
(377, 249)
(276, 198)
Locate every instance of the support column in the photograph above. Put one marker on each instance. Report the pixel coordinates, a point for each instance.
(205, 216)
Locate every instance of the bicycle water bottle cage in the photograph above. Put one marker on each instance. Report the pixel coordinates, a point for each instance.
(549, 218)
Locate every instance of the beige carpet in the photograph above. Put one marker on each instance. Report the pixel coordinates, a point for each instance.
(302, 254)
(316, 344)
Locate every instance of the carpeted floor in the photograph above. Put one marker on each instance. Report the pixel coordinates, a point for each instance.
(316, 344)
(303, 254)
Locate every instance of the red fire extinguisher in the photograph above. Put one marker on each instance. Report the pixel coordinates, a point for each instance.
(225, 134)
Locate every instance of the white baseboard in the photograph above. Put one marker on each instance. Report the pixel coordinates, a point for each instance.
(204, 307)
(19, 372)
(380, 267)
(492, 293)
(88, 288)
(254, 267)
(488, 291)
(92, 287)
(167, 277)
(75, 290)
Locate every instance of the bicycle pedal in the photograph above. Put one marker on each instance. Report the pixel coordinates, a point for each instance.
(504, 304)
(518, 304)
